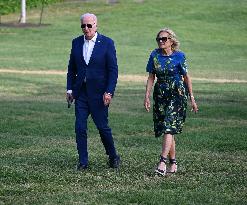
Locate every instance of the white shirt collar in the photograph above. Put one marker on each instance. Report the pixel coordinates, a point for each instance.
(93, 39)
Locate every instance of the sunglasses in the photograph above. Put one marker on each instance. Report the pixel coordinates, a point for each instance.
(162, 39)
(86, 25)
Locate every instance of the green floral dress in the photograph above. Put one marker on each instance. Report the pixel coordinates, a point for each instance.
(170, 91)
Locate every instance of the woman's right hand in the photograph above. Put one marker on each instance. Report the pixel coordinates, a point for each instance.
(150, 82)
(147, 104)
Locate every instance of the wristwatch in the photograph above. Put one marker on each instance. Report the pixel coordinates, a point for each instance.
(109, 94)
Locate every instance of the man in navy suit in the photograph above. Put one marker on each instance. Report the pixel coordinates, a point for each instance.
(91, 81)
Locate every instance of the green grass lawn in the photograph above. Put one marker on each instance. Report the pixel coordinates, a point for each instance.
(37, 143)
(212, 33)
(38, 154)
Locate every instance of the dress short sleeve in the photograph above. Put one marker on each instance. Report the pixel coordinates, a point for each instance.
(150, 64)
(183, 67)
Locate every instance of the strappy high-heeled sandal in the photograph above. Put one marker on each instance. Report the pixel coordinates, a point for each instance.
(173, 161)
(160, 171)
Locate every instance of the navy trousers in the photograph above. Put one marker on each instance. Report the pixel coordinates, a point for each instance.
(84, 106)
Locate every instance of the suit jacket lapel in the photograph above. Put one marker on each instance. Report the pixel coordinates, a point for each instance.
(96, 47)
(81, 48)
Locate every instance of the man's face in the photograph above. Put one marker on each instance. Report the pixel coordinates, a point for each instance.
(89, 27)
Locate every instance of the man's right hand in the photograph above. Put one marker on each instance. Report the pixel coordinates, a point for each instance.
(70, 99)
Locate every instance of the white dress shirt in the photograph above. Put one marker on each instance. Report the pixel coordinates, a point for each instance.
(88, 48)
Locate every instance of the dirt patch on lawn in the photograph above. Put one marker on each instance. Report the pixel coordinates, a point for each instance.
(22, 25)
(124, 78)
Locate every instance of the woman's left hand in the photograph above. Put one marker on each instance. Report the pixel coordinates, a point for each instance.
(194, 105)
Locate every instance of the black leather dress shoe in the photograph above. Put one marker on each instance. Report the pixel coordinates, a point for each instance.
(81, 167)
(114, 162)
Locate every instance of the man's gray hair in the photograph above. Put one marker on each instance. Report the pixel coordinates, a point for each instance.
(89, 14)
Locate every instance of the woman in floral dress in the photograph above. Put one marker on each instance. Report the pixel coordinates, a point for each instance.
(171, 90)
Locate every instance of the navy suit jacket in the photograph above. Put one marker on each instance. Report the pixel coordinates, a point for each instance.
(101, 73)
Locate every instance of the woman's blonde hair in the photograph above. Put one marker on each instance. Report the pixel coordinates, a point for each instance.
(172, 35)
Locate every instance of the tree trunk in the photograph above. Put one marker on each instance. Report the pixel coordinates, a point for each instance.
(41, 13)
(23, 11)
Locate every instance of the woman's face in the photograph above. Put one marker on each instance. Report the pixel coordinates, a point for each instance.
(164, 40)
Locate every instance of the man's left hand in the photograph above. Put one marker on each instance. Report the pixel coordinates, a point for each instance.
(107, 99)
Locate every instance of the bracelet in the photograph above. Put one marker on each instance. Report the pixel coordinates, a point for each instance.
(192, 97)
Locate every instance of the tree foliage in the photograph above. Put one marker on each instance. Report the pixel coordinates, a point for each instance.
(10, 6)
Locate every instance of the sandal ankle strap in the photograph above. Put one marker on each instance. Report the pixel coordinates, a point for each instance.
(163, 159)
(173, 161)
